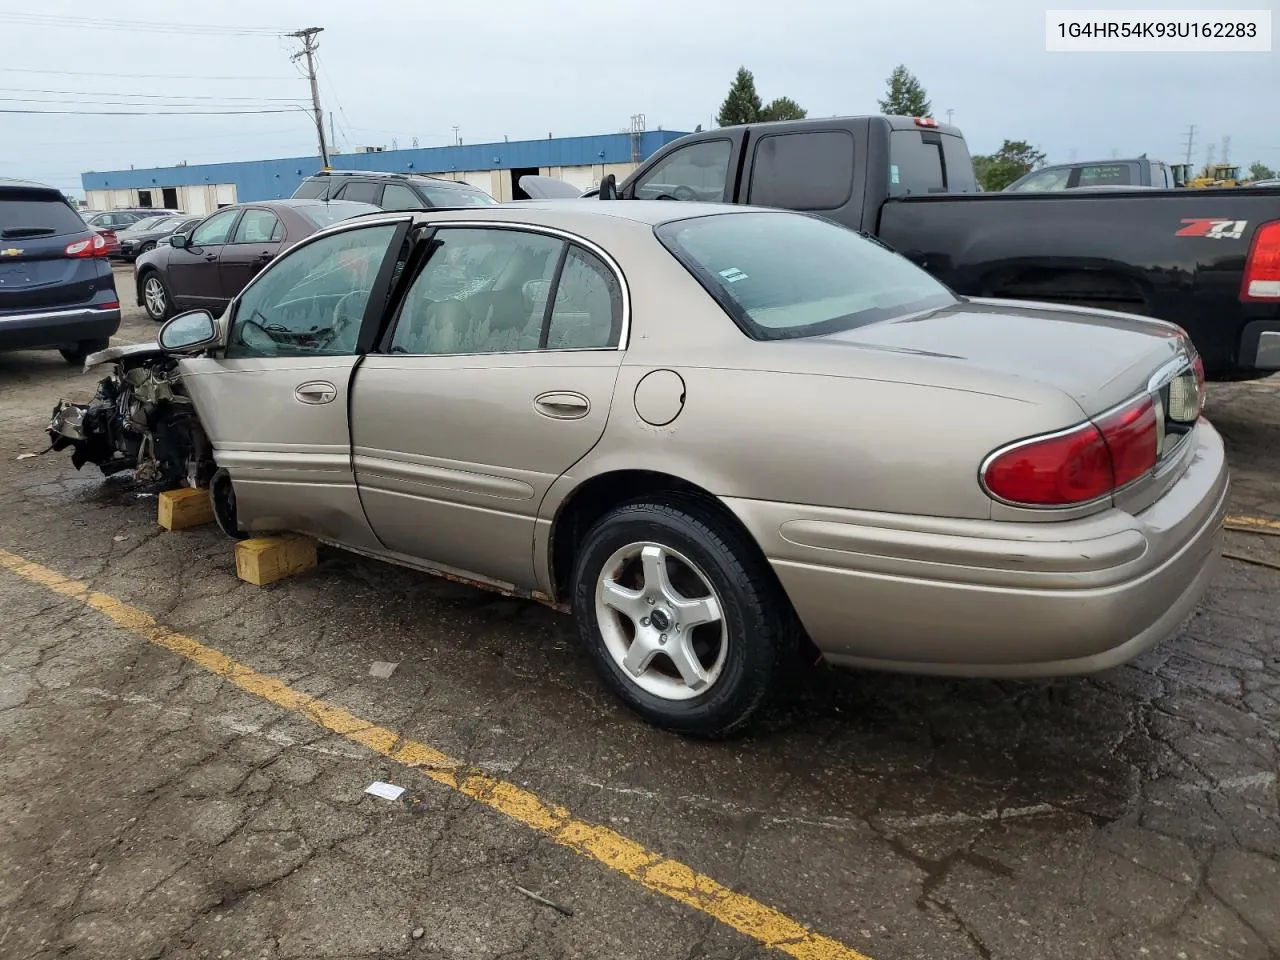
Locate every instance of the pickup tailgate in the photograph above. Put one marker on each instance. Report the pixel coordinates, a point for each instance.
(1098, 358)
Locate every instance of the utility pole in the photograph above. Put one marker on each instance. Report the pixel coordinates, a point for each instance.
(1226, 151)
(456, 139)
(1191, 140)
(949, 113)
(309, 47)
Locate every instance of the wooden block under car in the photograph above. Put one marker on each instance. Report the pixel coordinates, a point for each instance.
(181, 509)
(263, 560)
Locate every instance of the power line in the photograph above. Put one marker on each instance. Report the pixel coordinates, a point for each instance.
(155, 113)
(147, 26)
(134, 76)
(129, 103)
(148, 96)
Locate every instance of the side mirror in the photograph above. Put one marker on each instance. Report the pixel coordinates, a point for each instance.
(609, 187)
(189, 331)
(178, 240)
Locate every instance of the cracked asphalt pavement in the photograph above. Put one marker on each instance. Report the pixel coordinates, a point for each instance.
(149, 808)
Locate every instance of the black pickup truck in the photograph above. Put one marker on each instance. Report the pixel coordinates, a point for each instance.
(1208, 260)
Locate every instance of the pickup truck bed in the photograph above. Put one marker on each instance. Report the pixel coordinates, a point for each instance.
(1174, 254)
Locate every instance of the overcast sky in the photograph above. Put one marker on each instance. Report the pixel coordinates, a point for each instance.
(570, 67)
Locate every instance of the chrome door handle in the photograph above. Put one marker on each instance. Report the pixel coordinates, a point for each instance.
(562, 405)
(317, 391)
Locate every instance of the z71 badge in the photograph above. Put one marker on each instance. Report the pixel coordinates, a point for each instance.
(1213, 228)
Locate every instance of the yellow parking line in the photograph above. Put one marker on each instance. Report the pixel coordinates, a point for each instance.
(648, 868)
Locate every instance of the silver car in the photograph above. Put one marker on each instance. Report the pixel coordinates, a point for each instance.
(712, 433)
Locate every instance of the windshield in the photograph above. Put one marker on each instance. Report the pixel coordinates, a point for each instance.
(782, 275)
(166, 223)
(454, 193)
(146, 223)
(323, 214)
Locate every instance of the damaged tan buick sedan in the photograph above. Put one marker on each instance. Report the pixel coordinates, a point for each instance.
(710, 432)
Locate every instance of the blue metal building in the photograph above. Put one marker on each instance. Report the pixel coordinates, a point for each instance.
(493, 167)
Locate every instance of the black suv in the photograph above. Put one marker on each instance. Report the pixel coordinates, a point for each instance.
(391, 191)
(56, 287)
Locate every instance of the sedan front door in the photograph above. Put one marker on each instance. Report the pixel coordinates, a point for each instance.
(192, 271)
(274, 403)
(494, 379)
(256, 241)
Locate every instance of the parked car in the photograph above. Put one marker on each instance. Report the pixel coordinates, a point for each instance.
(392, 191)
(146, 234)
(56, 287)
(1133, 172)
(703, 429)
(1207, 260)
(223, 251)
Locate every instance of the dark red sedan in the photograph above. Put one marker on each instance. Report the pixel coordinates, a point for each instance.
(222, 253)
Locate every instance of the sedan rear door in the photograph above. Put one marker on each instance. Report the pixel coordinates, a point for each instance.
(274, 402)
(495, 377)
(256, 240)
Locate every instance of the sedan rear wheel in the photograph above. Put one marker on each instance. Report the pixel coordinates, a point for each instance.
(149, 245)
(681, 615)
(155, 297)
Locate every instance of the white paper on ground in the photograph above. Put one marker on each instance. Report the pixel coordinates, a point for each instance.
(387, 791)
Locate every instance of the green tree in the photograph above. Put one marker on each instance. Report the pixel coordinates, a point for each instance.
(783, 108)
(742, 105)
(1260, 171)
(1014, 158)
(905, 97)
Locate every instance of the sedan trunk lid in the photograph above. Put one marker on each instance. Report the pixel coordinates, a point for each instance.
(1096, 357)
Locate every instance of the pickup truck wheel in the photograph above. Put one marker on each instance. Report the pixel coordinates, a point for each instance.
(75, 355)
(155, 297)
(680, 615)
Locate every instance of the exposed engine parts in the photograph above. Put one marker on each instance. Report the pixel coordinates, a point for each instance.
(139, 419)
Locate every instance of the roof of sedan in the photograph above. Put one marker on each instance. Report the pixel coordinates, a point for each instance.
(641, 211)
(649, 212)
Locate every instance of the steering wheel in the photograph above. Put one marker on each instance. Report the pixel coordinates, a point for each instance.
(346, 319)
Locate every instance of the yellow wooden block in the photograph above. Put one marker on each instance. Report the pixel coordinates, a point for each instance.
(263, 560)
(188, 507)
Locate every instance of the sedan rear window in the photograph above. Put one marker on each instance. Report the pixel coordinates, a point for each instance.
(323, 214)
(21, 218)
(782, 275)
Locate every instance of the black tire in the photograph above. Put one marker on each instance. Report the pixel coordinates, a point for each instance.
(757, 616)
(166, 310)
(75, 355)
(149, 245)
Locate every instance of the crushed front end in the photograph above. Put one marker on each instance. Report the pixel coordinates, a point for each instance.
(139, 419)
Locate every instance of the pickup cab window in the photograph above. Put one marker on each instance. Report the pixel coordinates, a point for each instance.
(696, 172)
(802, 171)
(1054, 178)
(1106, 175)
(927, 161)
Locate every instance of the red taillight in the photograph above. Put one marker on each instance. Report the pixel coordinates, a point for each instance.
(1130, 434)
(95, 246)
(1262, 269)
(109, 305)
(1078, 465)
(926, 122)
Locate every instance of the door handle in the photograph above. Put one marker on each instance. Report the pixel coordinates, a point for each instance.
(210, 257)
(562, 405)
(316, 391)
